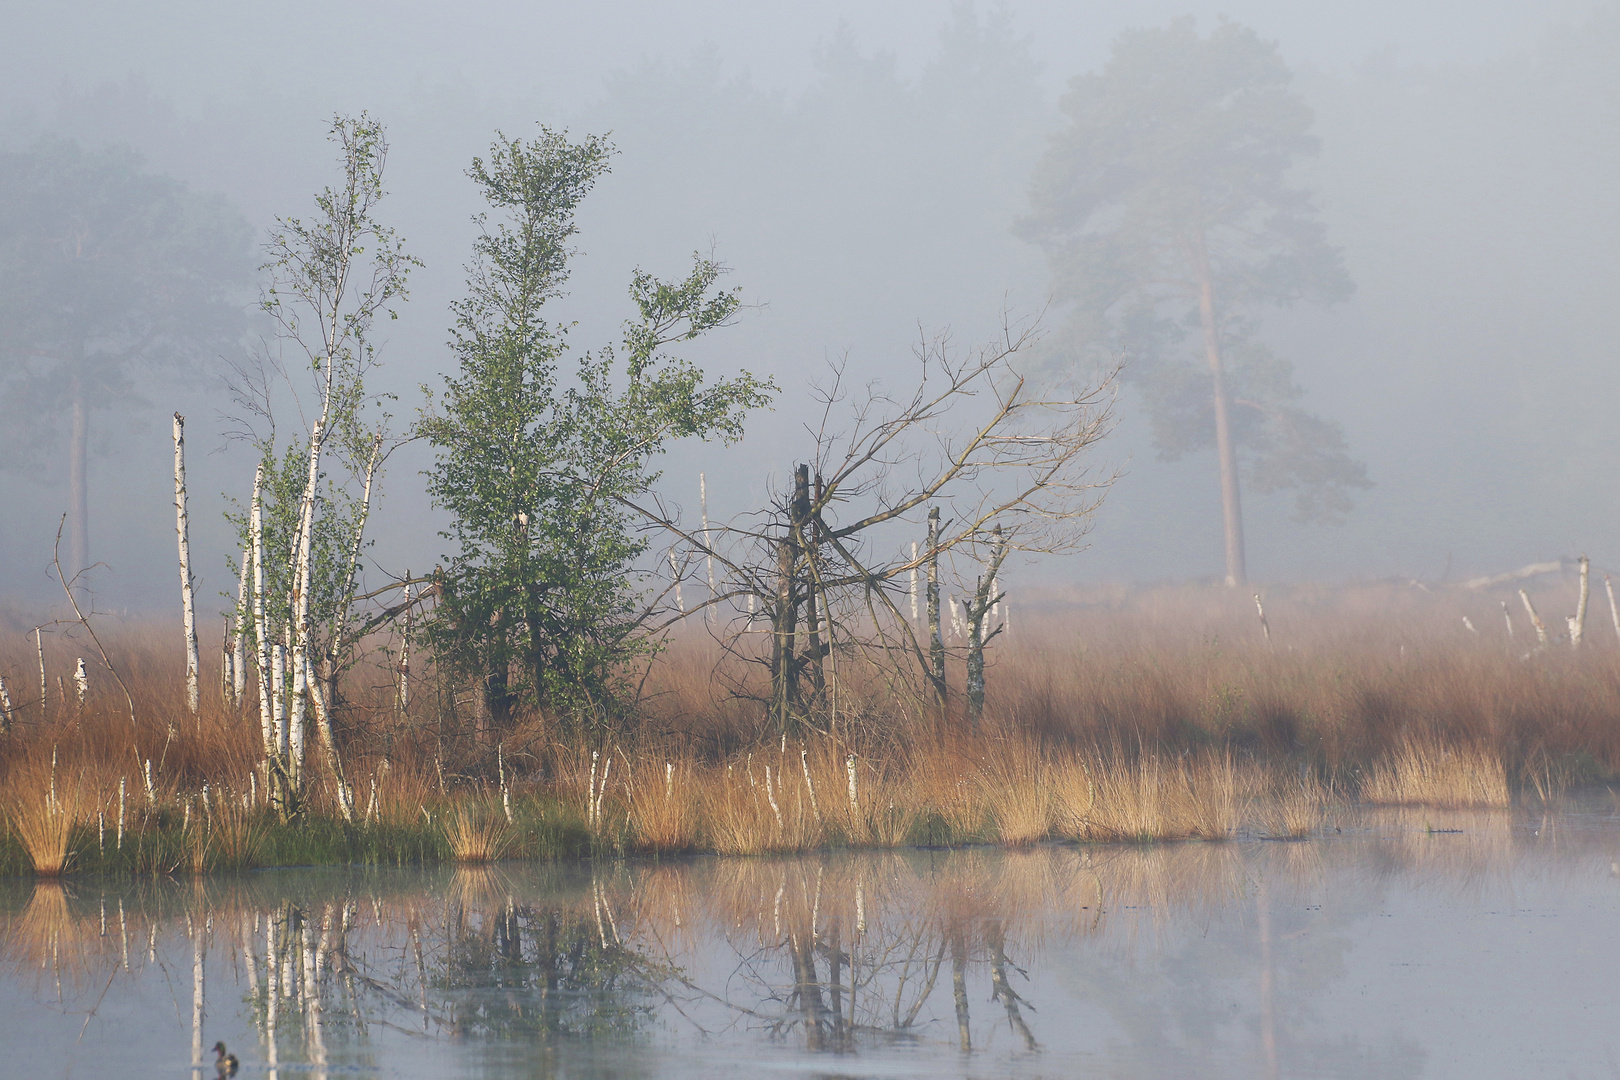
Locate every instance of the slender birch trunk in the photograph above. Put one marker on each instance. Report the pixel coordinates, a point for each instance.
(405, 655)
(984, 601)
(334, 763)
(300, 630)
(936, 641)
(914, 583)
(1577, 625)
(267, 684)
(1535, 620)
(182, 537)
(1614, 610)
(238, 638)
(39, 648)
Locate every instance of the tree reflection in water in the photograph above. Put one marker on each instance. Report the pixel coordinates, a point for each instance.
(1193, 953)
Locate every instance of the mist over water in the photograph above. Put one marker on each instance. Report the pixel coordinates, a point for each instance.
(861, 169)
(1399, 944)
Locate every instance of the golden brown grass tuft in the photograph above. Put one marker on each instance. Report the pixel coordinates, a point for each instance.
(661, 806)
(1015, 784)
(1422, 772)
(476, 833)
(44, 807)
(1293, 808)
(238, 835)
(1111, 798)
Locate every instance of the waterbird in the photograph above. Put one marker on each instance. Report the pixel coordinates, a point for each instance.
(225, 1062)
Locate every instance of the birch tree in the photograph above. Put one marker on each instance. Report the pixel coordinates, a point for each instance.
(183, 539)
(333, 276)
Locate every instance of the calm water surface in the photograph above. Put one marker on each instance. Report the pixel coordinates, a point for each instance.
(1389, 948)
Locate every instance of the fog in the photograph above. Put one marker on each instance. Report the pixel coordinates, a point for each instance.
(861, 168)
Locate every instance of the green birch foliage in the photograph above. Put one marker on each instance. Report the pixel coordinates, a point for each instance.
(332, 277)
(538, 465)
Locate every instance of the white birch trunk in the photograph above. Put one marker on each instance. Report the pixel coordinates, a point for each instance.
(914, 583)
(278, 716)
(299, 659)
(405, 657)
(261, 631)
(1535, 620)
(39, 647)
(239, 639)
(1577, 625)
(181, 532)
(334, 764)
(1614, 611)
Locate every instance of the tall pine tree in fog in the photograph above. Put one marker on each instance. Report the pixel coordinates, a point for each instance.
(1169, 222)
(109, 277)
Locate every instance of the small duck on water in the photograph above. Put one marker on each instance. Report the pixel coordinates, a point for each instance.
(225, 1062)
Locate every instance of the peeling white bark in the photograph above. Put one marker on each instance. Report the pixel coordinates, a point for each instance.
(181, 532)
(1614, 611)
(267, 692)
(1535, 620)
(239, 639)
(1577, 625)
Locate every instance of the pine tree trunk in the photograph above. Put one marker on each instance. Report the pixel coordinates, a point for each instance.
(181, 532)
(1225, 450)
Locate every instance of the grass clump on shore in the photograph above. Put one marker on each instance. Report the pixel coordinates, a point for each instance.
(1428, 773)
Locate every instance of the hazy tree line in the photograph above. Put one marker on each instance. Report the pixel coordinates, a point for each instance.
(1464, 201)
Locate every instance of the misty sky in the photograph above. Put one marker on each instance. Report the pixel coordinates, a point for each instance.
(839, 158)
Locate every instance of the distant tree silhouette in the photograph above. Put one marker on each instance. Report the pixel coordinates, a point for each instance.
(109, 277)
(1165, 208)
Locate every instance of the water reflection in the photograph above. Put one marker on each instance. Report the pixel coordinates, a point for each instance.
(1196, 959)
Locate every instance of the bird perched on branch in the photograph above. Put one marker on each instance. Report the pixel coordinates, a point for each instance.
(225, 1062)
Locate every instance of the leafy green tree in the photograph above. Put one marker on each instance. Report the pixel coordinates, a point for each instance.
(110, 277)
(1166, 211)
(540, 467)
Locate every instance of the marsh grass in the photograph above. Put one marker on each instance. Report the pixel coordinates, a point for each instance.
(1292, 807)
(1421, 772)
(1119, 797)
(1117, 718)
(477, 832)
(43, 812)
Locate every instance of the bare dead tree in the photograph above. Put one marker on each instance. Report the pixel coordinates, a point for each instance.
(829, 564)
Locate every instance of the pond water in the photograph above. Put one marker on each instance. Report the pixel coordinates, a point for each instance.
(1398, 944)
